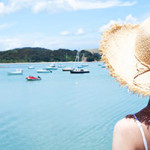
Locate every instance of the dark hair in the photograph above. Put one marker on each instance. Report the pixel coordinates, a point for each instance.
(143, 116)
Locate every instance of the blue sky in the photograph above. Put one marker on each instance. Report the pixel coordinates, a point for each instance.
(72, 24)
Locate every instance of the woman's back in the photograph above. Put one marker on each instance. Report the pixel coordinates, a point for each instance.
(127, 132)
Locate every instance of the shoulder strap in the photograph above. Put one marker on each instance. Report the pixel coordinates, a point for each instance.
(142, 132)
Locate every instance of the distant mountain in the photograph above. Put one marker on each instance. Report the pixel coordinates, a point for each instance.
(37, 54)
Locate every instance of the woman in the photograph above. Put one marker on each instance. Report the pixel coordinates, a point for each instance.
(126, 52)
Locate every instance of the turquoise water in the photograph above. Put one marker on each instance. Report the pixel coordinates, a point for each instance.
(63, 111)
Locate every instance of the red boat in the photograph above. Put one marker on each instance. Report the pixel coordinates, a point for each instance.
(31, 78)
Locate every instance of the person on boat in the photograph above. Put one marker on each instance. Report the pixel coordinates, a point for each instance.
(126, 52)
(39, 77)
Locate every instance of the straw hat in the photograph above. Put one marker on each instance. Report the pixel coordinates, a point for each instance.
(126, 52)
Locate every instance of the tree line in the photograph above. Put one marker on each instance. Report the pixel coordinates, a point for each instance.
(36, 54)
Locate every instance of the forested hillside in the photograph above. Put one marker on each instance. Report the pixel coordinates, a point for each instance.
(37, 54)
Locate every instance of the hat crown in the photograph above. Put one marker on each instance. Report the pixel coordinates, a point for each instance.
(142, 43)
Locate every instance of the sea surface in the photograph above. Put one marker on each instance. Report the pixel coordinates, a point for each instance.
(63, 111)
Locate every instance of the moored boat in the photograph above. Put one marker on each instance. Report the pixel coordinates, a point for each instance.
(79, 70)
(44, 71)
(17, 72)
(61, 66)
(51, 68)
(31, 78)
(101, 65)
(67, 69)
(30, 67)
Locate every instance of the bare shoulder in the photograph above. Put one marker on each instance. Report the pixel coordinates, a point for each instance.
(125, 124)
(125, 135)
(125, 129)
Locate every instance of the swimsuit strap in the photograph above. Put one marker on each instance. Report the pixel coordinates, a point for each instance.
(142, 132)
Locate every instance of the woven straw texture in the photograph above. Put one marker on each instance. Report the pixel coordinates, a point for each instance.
(124, 47)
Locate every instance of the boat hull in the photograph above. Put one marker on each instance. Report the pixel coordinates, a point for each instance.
(30, 67)
(51, 68)
(44, 71)
(66, 69)
(79, 72)
(31, 78)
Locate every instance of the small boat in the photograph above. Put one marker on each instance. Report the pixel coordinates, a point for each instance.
(101, 65)
(52, 65)
(79, 70)
(67, 69)
(44, 71)
(61, 66)
(51, 68)
(31, 78)
(17, 72)
(30, 67)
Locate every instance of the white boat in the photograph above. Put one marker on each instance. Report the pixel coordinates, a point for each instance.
(30, 67)
(78, 68)
(67, 69)
(61, 66)
(44, 71)
(52, 65)
(17, 72)
(101, 65)
(51, 68)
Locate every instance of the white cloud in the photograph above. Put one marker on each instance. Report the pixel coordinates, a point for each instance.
(50, 42)
(96, 4)
(27, 41)
(38, 6)
(6, 25)
(65, 33)
(79, 31)
(46, 43)
(10, 43)
(128, 19)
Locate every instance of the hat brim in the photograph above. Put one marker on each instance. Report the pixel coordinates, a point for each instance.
(117, 48)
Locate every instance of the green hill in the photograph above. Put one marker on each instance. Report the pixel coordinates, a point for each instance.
(37, 54)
